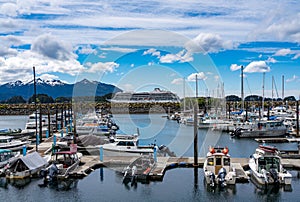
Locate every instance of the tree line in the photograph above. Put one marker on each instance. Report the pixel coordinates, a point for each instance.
(44, 99)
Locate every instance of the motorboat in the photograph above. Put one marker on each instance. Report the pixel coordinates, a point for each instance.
(7, 156)
(217, 167)
(127, 145)
(138, 170)
(8, 142)
(27, 166)
(266, 167)
(269, 128)
(62, 164)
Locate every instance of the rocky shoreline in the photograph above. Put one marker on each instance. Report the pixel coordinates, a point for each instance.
(134, 108)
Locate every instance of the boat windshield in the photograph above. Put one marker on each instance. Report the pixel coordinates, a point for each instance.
(210, 161)
(226, 161)
(268, 163)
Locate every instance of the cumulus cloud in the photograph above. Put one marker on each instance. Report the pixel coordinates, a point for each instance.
(6, 51)
(203, 43)
(102, 67)
(182, 56)
(207, 43)
(9, 9)
(177, 81)
(294, 78)
(53, 48)
(200, 76)
(271, 60)
(235, 67)
(257, 66)
(152, 52)
(19, 67)
(283, 52)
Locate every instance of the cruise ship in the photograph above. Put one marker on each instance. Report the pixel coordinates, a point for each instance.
(157, 95)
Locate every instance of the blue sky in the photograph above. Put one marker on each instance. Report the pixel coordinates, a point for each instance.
(140, 45)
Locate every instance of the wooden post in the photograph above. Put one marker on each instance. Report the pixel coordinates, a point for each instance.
(56, 116)
(40, 123)
(62, 117)
(196, 134)
(49, 120)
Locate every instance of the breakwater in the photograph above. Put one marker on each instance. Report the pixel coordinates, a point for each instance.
(84, 107)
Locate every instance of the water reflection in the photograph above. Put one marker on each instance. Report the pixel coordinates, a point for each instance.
(60, 185)
(19, 183)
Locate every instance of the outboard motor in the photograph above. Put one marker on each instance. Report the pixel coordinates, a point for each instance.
(221, 177)
(237, 132)
(53, 171)
(274, 175)
(212, 178)
(265, 174)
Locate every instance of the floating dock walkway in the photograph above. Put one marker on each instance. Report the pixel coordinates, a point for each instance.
(89, 163)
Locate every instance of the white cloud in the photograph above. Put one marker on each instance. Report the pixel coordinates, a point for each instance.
(152, 52)
(271, 60)
(177, 81)
(182, 56)
(86, 50)
(283, 52)
(132, 65)
(102, 67)
(235, 67)
(119, 49)
(9, 9)
(208, 43)
(294, 78)
(257, 66)
(19, 67)
(200, 76)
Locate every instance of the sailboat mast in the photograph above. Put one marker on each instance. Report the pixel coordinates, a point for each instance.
(263, 94)
(242, 86)
(272, 89)
(183, 94)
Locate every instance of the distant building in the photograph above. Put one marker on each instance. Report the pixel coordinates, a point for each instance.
(157, 95)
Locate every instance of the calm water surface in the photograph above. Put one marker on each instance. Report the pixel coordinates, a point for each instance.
(180, 184)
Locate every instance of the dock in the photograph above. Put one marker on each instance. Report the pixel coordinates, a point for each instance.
(89, 163)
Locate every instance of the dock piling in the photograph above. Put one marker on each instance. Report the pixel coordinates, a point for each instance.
(101, 153)
(24, 150)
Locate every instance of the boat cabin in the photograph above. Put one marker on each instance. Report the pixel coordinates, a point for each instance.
(66, 158)
(5, 154)
(216, 159)
(267, 159)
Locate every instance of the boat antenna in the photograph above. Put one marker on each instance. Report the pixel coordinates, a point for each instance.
(138, 131)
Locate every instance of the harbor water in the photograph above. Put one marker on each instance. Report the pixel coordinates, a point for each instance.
(178, 184)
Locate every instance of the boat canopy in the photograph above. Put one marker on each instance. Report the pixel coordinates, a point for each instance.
(33, 160)
(5, 151)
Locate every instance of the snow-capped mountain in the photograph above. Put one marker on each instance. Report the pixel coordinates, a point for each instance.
(55, 88)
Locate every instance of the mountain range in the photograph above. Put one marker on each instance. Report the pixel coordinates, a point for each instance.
(56, 88)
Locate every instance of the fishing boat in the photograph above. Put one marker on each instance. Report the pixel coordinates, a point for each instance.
(138, 170)
(271, 128)
(62, 164)
(217, 167)
(266, 167)
(8, 142)
(27, 166)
